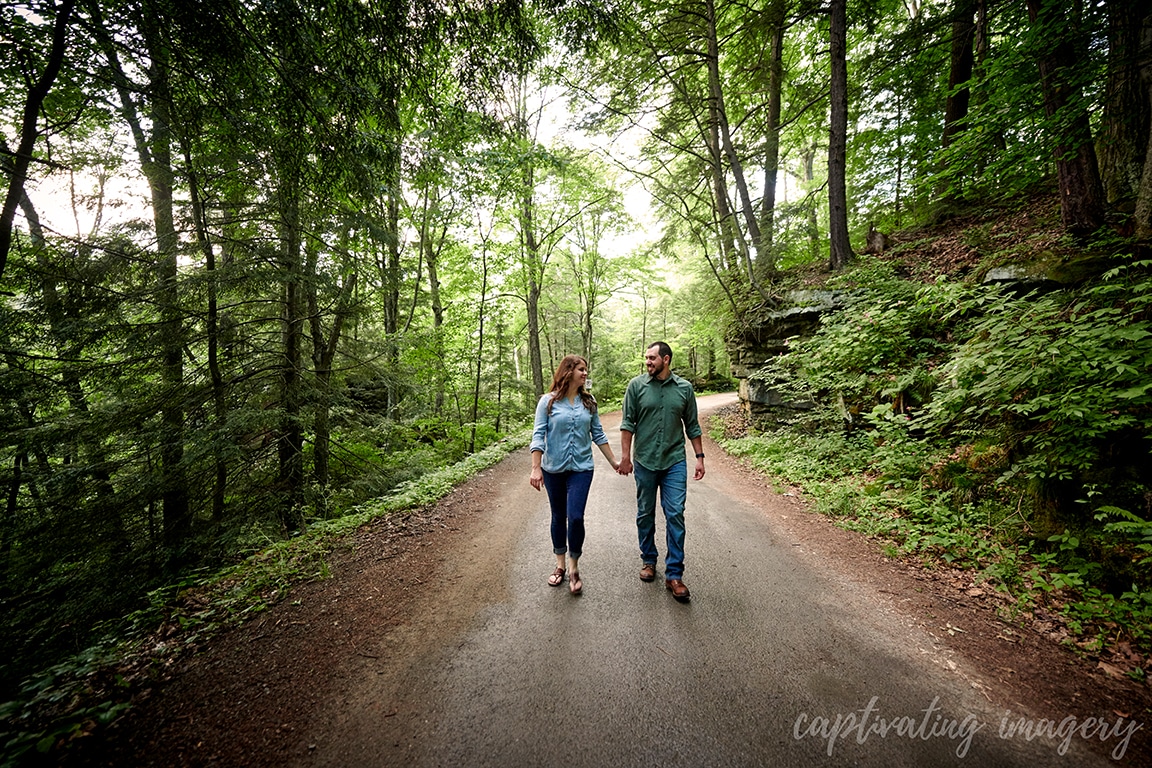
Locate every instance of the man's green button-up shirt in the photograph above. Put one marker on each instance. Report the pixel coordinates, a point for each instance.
(659, 414)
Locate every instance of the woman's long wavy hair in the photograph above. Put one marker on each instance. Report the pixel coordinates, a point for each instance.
(563, 377)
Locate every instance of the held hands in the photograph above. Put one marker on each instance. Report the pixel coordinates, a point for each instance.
(624, 467)
(536, 478)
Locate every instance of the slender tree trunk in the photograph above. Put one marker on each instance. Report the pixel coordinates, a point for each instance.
(323, 357)
(533, 273)
(475, 416)
(212, 333)
(775, 13)
(733, 252)
(813, 220)
(289, 162)
(28, 129)
(393, 179)
(430, 251)
(1081, 193)
(499, 373)
(840, 249)
(898, 201)
(290, 446)
(155, 156)
(432, 260)
(177, 519)
(81, 447)
(716, 95)
(959, 93)
(960, 71)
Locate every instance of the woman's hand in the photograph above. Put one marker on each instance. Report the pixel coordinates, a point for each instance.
(536, 478)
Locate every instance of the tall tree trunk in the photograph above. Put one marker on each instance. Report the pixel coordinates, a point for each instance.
(534, 271)
(716, 95)
(289, 162)
(1081, 193)
(28, 130)
(1125, 122)
(430, 249)
(323, 355)
(732, 251)
(475, 416)
(775, 13)
(432, 260)
(212, 333)
(290, 446)
(1143, 215)
(393, 179)
(177, 518)
(499, 373)
(155, 156)
(960, 69)
(840, 251)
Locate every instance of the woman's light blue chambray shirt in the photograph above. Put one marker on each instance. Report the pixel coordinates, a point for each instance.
(563, 436)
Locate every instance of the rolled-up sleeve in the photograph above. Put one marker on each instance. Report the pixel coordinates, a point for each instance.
(691, 418)
(540, 429)
(628, 418)
(597, 431)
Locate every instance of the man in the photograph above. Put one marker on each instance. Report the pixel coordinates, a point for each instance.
(659, 408)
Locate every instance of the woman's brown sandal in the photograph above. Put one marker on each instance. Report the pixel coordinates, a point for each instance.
(557, 577)
(575, 585)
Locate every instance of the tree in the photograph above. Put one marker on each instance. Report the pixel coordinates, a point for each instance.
(1060, 52)
(1143, 214)
(1125, 113)
(154, 151)
(840, 249)
(960, 70)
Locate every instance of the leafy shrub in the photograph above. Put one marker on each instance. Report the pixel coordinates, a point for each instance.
(884, 345)
(1062, 381)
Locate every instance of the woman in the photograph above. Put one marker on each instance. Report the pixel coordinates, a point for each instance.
(566, 426)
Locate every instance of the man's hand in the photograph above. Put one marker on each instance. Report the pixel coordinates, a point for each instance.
(699, 469)
(625, 467)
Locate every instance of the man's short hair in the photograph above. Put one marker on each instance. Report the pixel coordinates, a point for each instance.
(662, 348)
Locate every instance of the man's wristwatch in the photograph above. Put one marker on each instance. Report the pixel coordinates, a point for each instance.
(699, 455)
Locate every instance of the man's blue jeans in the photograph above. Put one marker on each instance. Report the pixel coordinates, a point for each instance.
(673, 486)
(568, 495)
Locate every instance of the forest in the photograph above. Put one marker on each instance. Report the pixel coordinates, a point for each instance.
(264, 262)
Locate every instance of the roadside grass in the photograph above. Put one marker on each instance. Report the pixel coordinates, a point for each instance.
(74, 698)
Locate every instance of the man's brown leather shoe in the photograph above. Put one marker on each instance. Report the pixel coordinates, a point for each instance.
(678, 589)
(648, 572)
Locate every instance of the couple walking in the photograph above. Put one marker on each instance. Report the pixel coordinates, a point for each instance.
(659, 409)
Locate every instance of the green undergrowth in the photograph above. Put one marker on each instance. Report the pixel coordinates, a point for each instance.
(72, 699)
